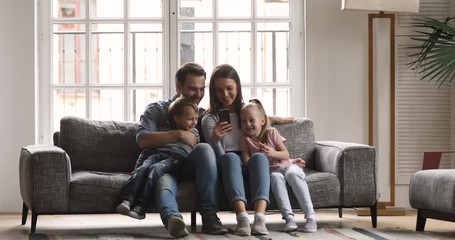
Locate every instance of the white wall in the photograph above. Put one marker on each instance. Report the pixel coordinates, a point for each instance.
(337, 43)
(17, 123)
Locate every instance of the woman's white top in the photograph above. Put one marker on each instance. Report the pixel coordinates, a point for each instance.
(230, 141)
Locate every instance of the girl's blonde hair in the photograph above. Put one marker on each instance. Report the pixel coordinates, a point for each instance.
(255, 103)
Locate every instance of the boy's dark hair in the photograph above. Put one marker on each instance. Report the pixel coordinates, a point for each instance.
(189, 68)
(178, 106)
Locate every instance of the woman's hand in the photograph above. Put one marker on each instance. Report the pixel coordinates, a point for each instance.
(220, 129)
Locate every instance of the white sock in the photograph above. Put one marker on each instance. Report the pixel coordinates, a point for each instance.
(310, 216)
(242, 215)
(259, 215)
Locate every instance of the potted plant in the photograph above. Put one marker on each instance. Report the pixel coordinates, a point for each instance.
(435, 55)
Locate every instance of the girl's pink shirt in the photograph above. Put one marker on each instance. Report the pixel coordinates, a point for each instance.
(273, 139)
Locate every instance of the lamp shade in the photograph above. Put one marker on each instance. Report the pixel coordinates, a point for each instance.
(411, 6)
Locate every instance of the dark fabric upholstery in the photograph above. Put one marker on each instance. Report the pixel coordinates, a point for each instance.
(107, 146)
(91, 161)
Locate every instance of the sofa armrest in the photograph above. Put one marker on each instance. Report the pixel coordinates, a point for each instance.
(356, 167)
(44, 174)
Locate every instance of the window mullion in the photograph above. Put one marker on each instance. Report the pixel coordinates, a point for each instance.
(88, 67)
(126, 44)
(253, 50)
(171, 31)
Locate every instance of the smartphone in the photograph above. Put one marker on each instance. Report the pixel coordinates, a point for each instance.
(223, 115)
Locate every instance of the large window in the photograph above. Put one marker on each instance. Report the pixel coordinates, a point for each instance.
(107, 59)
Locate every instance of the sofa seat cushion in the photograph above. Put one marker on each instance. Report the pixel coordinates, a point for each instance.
(95, 192)
(324, 190)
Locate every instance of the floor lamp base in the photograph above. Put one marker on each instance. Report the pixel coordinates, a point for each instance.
(387, 211)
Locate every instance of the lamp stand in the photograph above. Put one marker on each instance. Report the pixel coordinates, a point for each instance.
(385, 208)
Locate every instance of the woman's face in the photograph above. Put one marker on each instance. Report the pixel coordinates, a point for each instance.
(226, 91)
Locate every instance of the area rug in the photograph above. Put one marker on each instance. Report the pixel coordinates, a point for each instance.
(322, 233)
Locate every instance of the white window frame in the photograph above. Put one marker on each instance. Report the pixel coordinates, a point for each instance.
(44, 35)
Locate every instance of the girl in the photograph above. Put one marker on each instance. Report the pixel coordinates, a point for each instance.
(262, 138)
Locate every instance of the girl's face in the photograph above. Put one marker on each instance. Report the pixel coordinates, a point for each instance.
(187, 120)
(252, 121)
(226, 91)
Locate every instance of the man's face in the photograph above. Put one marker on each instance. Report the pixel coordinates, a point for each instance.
(193, 88)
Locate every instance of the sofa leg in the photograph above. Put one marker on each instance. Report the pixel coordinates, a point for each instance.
(24, 213)
(34, 219)
(420, 225)
(340, 212)
(374, 215)
(193, 221)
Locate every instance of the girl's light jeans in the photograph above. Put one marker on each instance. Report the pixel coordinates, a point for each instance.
(295, 177)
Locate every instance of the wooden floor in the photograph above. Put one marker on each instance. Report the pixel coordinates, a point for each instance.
(10, 224)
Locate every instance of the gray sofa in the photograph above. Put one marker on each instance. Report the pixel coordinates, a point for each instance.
(85, 169)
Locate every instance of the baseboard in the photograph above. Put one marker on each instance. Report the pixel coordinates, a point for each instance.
(387, 211)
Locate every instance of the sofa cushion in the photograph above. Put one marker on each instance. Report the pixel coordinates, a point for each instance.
(300, 139)
(107, 146)
(95, 192)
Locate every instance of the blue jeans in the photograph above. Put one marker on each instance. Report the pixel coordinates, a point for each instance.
(233, 172)
(295, 177)
(139, 187)
(200, 166)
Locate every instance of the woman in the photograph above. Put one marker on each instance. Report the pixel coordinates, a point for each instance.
(226, 93)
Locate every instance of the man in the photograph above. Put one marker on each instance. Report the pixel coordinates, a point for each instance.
(200, 166)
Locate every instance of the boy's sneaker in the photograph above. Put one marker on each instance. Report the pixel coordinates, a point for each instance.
(176, 227)
(289, 224)
(138, 212)
(259, 227)
(310, 226)
(212, 225)
(124, 207)
(243, 227)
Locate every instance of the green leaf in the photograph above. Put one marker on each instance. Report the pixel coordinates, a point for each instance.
(434, 50)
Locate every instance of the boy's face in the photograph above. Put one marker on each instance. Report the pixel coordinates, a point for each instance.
(187, 120)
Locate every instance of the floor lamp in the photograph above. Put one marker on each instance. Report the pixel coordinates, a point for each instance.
(382, 85)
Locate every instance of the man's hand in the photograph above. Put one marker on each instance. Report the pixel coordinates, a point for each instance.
(188, 137)
(282, 120)
(299, 162)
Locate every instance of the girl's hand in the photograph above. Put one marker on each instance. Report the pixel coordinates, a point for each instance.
(299, 162)
(220, 129)
(267, 150)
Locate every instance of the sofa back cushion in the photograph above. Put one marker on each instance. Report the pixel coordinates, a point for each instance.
(107, 146)
(300, 140)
